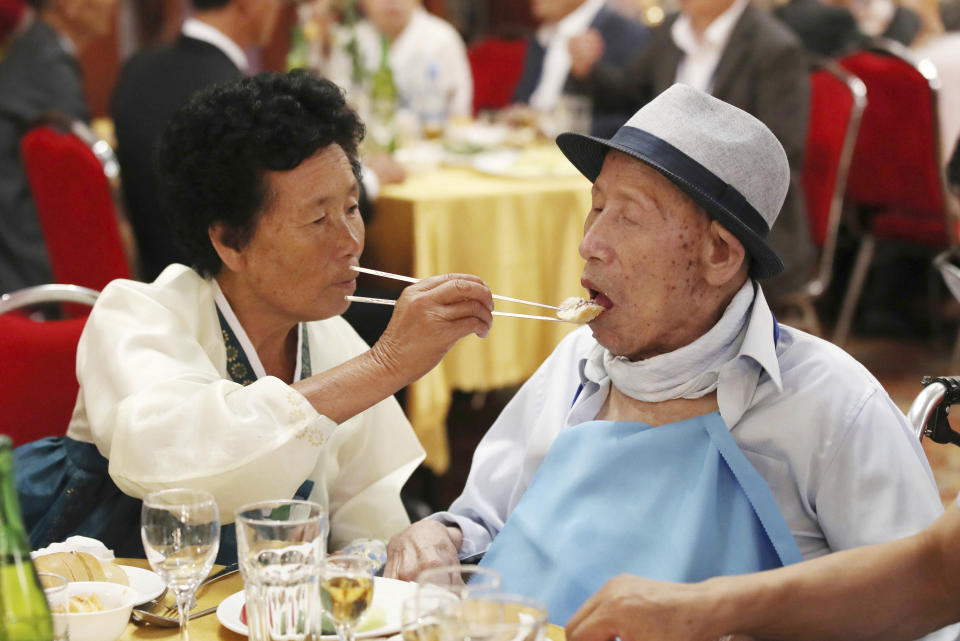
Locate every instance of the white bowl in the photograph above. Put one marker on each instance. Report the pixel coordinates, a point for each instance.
(107, 624)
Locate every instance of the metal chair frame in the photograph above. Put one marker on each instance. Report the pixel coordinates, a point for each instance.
(814, 288)
(928, 412)
(40, 294)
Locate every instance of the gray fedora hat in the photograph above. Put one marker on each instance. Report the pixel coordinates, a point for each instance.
(726, 160)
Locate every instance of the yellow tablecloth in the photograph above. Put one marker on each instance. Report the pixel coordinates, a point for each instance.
(519, 235)
(208, 628)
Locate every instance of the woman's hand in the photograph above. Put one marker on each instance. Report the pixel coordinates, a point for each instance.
(429, 317)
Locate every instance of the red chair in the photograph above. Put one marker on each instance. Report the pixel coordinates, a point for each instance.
(38, 381)
(496, 65)
(896, 178)
(75, 205)
(837, 99)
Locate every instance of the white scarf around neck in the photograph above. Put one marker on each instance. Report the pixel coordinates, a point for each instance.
(691, 371)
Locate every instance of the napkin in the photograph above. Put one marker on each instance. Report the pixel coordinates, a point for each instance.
(78, 544)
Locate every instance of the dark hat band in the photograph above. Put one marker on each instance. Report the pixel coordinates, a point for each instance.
(673, 161)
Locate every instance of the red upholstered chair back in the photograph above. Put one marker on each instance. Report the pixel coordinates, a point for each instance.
(836, 104)
(896, 163)
(38, 381)
(496, 65)
(76, 209)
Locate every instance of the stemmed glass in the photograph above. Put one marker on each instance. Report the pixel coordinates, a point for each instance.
(461, 580)
(181, 535)
(495, 617)
(347, 591)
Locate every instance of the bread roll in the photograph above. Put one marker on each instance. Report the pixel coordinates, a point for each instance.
(80, 566)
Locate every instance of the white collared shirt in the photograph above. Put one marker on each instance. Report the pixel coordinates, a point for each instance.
(702, 52)
(199, 30)
(427, 41)
(842, 461)
(555, 39)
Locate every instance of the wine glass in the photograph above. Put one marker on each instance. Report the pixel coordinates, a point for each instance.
(347, 591)
(495, 617)
(461, 580)
(181, 535)
(422, 613)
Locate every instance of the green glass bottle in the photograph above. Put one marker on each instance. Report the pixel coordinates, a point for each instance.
(24, 613)
(383, 102)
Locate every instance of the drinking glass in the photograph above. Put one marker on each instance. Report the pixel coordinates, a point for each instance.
(495, 617)
(280, 547)
(55, 589)
(181, 535)
(461, 580)
(421, 614)
(347, 590)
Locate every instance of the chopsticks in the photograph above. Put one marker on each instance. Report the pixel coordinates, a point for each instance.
(387, 301)
(409, 279)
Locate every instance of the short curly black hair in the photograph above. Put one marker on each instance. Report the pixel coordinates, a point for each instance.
(213, 154)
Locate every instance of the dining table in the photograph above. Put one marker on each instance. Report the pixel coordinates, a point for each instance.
(517, 229)
(208, 628)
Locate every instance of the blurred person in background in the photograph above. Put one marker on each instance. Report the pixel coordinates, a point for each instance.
(424, 53)
(830, 27)
(154, 83)
(742, 55)
(546, 71)
(39, 74)
(14, 15)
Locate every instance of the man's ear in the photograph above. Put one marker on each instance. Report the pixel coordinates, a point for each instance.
(724, 255)
(232, 257)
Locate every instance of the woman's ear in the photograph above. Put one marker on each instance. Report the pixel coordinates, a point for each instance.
(725, 255)
(231, 257)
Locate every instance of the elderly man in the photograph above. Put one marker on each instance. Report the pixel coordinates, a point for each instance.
(685, 433)
(742, 55)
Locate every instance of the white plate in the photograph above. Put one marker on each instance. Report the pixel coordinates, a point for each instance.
(147, 584)
(530, 163)
(389, 594)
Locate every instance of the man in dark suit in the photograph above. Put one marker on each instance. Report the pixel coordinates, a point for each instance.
(622, 36)
(155, 83)
(745, 57)
(38, 74)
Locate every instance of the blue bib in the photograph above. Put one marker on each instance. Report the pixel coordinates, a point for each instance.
(678, 502)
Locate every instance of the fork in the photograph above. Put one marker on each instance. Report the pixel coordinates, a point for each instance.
(160, 621)
(171, 610)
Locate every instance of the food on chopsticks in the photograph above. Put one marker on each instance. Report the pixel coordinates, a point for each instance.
(80, 566)
(578, 310)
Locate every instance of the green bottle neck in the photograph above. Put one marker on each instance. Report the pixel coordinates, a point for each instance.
(12, 534)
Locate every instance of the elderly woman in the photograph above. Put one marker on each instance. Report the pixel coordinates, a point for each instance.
(237, 375)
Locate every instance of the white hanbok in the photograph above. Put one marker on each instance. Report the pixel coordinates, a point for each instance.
(158, 400)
